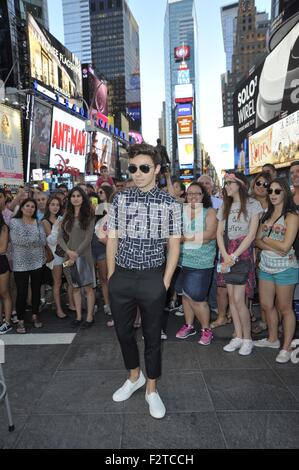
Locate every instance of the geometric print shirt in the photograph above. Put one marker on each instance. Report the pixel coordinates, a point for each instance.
(144, 221)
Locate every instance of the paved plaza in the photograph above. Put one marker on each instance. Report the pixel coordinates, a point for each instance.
(61, 394)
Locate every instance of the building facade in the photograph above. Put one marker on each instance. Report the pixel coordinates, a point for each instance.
(37, 8)
(77, 33)
(162, 128)
(109, 39)
(178, 30)
(229, 15)
(249, 40)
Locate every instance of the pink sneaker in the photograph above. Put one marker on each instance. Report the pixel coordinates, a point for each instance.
(206, 337)
(185, 331)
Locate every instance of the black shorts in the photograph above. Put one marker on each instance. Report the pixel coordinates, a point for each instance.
(4, 265)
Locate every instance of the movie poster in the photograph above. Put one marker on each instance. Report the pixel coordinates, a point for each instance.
(41, 134)
(11, 153)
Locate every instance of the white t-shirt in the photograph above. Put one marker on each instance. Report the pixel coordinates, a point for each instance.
(239, 227)
(216, 202)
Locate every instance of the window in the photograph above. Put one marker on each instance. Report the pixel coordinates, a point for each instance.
(101, 6)
(93, 7)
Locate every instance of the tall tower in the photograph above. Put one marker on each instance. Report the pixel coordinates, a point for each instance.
(229, 15)
(107, 35)
(77, 35)
(178, 31)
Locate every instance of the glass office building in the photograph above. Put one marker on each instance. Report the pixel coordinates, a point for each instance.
(77, 35)
(229, 14)
(105, 34)
(178, 30)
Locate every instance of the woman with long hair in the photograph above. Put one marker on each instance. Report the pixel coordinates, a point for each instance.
(51, 223)
(197, 262)
(259, 191)
(259, 188)
(28, 240)
(238, 223)
(4, 277)
(75, 237)
(278, 273)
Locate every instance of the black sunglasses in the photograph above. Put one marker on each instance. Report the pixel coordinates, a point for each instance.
(259, 183)
(275, 191)
(143, 168)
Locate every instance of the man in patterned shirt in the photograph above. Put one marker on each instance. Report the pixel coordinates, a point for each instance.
(144, 224)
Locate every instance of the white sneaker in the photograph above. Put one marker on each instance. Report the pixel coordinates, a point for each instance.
(107, 310)
(163, 335)
(246, 347)
(233, 345)
(179, 312)
(128, 388)
(265, 343)
(283, 356)
(156, 406)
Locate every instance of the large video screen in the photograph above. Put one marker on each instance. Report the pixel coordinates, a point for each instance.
(51, 64)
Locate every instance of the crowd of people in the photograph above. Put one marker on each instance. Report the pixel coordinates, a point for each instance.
(155, 251)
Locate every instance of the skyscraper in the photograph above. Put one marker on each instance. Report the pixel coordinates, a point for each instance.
(108, 38)
(77, 35)
(178, 31)
(228, 19)
(249, 48)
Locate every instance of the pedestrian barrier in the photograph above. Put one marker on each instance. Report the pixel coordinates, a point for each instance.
(3, 389)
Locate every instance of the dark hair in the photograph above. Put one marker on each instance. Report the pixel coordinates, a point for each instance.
(183, 187)
(243, 193)
(19, 214)
(103, 167)
(144, 149)
(295, 163)
(85, 214)
(270, 166)
(288, 204)
(108, 190)
(2, 222)
(90, 186)
(206, 200)
(158, 141)
(62, 185)
(47, 213)
(264, 175)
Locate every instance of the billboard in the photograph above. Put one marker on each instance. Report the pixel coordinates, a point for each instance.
(183, 77)
(184, 109)
(269, 94)
(41, 134)
(95, 91)
(277, 144)
(186, 153)
(11, 153)
(181, 53)
(286, 15)
(183, 93)
(68, 141)
(185, 126)
(106, 149)
(51, 64)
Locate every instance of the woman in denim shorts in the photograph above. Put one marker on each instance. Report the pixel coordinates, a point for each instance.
(197, 261)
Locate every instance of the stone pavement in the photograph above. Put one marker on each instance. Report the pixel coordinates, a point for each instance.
(61, 394)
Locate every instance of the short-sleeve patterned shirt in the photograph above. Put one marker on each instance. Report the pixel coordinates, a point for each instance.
(144, 221)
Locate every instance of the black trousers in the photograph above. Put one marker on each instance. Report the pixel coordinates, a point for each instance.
(145, 289)
(22, 282)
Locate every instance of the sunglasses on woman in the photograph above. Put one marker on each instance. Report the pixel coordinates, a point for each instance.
(260, 183)
(275, 191)
(143, 168)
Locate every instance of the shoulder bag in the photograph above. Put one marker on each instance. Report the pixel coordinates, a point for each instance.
(238, 273)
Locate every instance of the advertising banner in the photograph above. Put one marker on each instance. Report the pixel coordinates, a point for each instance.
(269, 94)
(277, 144)
(185, 126)
(95, 91)
(184, 77)
(11, 153)
(184, 109)
(183, 93)
(181, 53)
(104, 153)
(68, 142)
(51, 64)
(41, 134)
(186, 153)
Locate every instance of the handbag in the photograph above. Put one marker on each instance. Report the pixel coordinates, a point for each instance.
(238, 273)
(47, 250)
(82, 273)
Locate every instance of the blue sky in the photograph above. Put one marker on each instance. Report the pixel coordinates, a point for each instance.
(150, 17)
